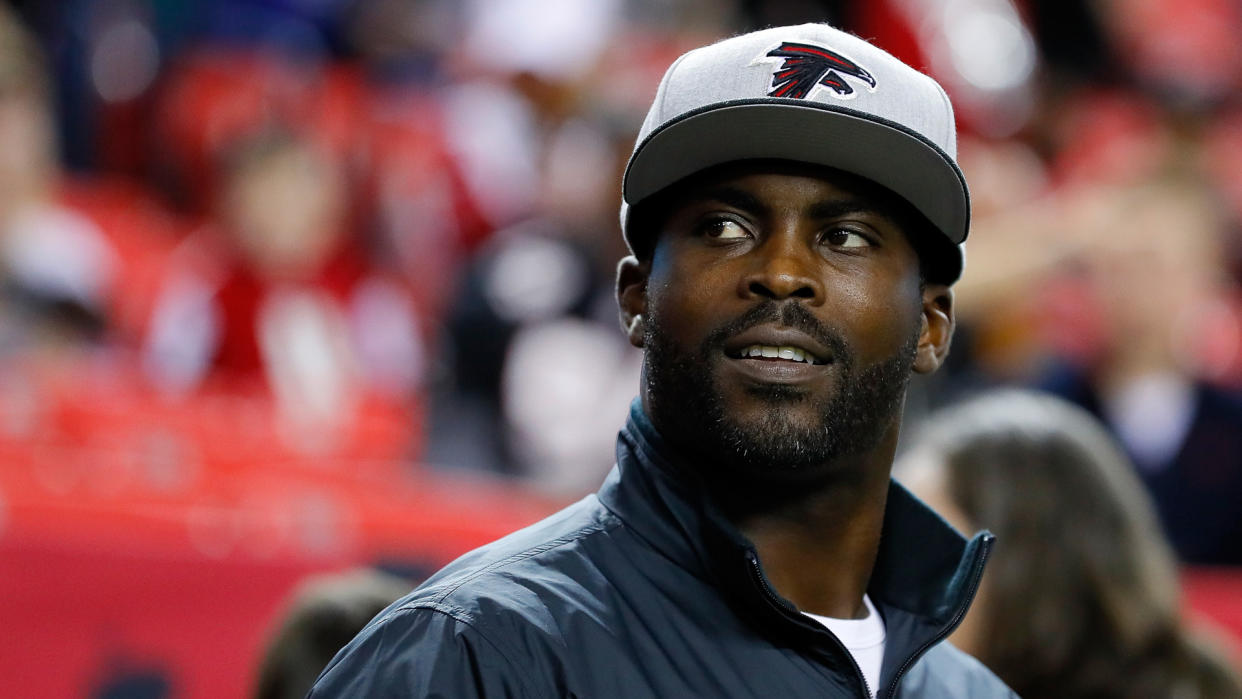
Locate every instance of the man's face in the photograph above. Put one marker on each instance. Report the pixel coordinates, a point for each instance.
(783, 315)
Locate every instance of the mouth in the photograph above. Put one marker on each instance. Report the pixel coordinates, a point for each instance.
(777, 353)
(777, 343)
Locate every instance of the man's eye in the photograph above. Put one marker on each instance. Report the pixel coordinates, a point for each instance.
(723, 229)
(846, 238)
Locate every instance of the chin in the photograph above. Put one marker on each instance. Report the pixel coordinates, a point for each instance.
(770, 430)
(780, 442)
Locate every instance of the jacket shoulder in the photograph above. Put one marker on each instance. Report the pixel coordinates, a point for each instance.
(544, 564)
(946, 672)
(425, 652)
(485, 625)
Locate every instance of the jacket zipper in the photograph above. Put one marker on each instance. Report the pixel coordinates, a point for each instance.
(783, 607)
(975, 577)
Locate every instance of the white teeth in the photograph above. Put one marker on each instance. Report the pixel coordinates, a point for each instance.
(785, 352)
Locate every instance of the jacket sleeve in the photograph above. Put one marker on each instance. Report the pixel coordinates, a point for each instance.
(425, 654)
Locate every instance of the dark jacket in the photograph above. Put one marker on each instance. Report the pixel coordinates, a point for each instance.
(1196, 491)
(644, 590)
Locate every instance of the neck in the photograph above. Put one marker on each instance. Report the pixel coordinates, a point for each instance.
(817, 542)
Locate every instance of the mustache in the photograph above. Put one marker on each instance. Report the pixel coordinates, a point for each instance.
(791, 314)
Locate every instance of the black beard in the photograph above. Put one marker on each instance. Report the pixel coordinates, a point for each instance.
(688, 409)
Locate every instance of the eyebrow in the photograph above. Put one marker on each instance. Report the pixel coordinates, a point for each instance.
(734, 197)
(741, 199)
(842, 207)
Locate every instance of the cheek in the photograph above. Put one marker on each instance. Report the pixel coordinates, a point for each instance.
(684, 295)
(665, 312)
(884, 312)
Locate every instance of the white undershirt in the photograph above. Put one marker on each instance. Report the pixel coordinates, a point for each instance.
(863, 638)
(1152, 415)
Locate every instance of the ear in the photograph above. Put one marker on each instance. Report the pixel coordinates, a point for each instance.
(937, 328)
(632, 297)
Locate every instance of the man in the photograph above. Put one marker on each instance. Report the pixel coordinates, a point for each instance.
(794, 212)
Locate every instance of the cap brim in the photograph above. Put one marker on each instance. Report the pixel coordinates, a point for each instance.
(837, 137)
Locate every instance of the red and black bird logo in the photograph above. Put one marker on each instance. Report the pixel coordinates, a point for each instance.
(806, 66)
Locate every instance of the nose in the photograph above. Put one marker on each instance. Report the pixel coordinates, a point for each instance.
(782, 268)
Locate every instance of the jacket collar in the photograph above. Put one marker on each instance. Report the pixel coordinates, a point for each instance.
(925, 573)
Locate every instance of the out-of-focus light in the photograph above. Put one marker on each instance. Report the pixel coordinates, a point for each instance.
(990, 48)
(559, 40)
(125, 60)
(534, 278)
(579, 169)
(492, 131)
(213, 529)
(985, 57)
(325, 526)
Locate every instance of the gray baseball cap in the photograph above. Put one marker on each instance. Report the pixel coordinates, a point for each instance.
(810, 94)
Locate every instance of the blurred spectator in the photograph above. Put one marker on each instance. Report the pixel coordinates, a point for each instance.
(534, 325)
(57, 268)
(535, 313)
(1152, 267)
(282, 293)
(1081, 597)
(1105, 279)
(1015, 244)
(323, 614)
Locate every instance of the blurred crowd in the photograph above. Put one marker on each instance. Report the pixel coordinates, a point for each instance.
(350, 206)
(381, 235)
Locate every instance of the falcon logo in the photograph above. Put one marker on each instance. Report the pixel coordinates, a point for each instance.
(806, 66)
